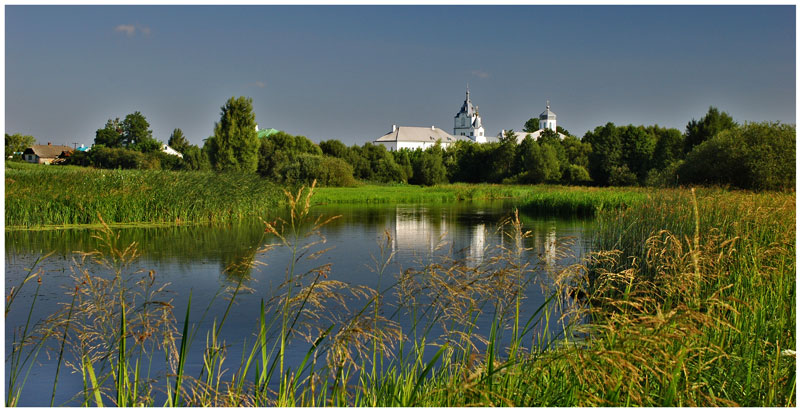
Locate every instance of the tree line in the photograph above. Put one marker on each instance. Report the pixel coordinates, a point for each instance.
(713, 150)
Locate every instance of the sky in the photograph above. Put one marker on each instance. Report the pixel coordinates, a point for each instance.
(351, 72)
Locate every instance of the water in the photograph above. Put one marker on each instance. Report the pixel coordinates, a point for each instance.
(193, 259)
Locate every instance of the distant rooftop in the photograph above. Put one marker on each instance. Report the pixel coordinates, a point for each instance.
(419, 134)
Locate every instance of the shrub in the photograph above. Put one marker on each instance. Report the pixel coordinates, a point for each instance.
(621, 176)
(79, 158)
(279, 151)
(327, 171)
(112, 158)
(575, 174)
(166, 161)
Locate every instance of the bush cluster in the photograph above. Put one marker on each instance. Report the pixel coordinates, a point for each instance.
(757, 156)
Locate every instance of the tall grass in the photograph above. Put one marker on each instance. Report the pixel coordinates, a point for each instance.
(47, 195)
(735, 251)
(689, 301)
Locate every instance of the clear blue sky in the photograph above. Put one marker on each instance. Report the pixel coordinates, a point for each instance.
(350, 72)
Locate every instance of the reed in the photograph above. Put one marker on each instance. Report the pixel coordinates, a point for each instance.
(65, 195)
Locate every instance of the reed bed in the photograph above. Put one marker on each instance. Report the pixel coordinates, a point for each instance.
(63, 195)
(689, 300)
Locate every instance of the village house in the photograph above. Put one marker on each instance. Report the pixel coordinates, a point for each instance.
(44, 153)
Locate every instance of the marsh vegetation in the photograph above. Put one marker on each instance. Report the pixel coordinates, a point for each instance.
(688, 300)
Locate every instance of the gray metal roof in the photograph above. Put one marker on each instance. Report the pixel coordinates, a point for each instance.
(467, 107)
(419, 134)
(547, 114)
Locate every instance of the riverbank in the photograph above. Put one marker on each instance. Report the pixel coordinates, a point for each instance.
(50, 197)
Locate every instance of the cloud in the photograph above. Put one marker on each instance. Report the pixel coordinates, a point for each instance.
(260, 84)
(128, 29)
(480, 73)
(131, 29)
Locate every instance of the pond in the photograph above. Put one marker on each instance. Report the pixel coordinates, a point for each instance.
(207, 261)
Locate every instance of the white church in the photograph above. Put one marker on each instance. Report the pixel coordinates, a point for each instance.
(547, 121)
(467, 126)
(468, 122)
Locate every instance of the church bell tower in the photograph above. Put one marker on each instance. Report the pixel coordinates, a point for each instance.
(468, 122)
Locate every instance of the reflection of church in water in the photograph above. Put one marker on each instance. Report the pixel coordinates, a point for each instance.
(423, 231)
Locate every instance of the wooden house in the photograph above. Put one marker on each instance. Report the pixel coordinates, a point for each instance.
(44, 153)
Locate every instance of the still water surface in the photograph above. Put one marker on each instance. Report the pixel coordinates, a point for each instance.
(194, 258)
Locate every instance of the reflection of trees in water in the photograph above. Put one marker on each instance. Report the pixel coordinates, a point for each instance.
(233, 245)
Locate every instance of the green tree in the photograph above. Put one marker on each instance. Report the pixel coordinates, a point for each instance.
(502, 156)
(552, 139)
(18, 143)
(403, 159)
(669, 146)
(235, 144)
(712, 123)
(758, 156)
(531, 125)
(195, 158)
(333, 148)
(606, 152)
(637, 149)
(537, 161)
(577, 151)
(136, 134)
(278, 150)
(527, 151)
(110, 135)
(473, 160)
(428, 166)
(360, 164)
(382, 163)
(508, 137)
(178, 141)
